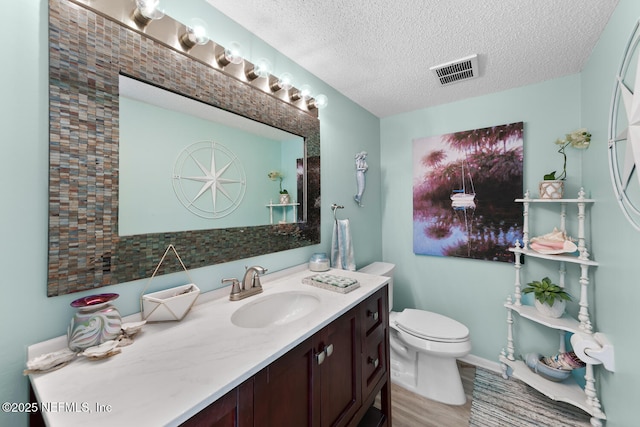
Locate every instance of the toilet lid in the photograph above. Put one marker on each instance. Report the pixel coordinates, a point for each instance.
(431, 326)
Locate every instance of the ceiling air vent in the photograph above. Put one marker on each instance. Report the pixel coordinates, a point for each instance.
(455, 71)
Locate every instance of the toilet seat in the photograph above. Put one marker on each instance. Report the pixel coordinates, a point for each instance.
(431, 326)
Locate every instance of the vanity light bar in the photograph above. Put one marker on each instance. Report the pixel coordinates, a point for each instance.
(181, 38)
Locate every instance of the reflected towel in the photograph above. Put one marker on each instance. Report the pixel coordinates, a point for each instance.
(341, 247)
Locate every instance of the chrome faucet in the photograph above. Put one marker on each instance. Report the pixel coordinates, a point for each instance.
(250, 283)
(252, 274)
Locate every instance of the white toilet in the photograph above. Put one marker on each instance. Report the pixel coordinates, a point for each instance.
(424, 348)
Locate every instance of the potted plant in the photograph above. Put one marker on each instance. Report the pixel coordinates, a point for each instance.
(552, 187)
(550, 299)
(284, 194)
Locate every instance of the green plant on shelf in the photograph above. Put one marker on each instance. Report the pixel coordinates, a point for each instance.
(546, 292)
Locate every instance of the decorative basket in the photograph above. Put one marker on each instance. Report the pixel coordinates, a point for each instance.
(170, 304)
(284, 199)
(551, 189)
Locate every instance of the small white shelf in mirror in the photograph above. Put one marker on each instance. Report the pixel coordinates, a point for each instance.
(284, 207)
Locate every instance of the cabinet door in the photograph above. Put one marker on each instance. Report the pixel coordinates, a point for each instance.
(234, 409)
(286, 393)
(340, 373)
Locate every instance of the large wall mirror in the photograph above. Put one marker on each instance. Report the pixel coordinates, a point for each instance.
(115, 178)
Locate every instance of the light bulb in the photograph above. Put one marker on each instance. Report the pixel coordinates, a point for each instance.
(234, 53)
(146, 11)
(231, 55)
(195, 33)
(320, 101)
(305, 92)
(199, 31)
(286, 81)
(263, 67)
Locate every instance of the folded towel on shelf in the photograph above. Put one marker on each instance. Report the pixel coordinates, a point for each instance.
(341, 247)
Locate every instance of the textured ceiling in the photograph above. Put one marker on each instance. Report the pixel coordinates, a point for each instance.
(378, 52)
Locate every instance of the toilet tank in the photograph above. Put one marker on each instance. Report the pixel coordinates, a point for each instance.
(382, 269)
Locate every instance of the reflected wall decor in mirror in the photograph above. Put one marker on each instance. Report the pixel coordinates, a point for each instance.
(99, 233)
(220, 163)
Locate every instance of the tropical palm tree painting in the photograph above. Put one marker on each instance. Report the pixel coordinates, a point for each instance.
(464, 186)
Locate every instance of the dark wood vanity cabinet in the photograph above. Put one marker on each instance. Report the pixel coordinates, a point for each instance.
(234, 409)
(329, 380)
(315, 384)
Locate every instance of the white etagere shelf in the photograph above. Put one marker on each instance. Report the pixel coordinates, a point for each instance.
(284, 207)
(592, 348)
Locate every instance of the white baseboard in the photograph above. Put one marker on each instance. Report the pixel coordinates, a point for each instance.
(487, 364)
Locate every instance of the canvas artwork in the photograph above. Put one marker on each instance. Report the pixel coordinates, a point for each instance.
(464, 187)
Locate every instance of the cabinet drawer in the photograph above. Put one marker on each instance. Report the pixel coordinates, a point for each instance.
(374, 359)
(375, 311)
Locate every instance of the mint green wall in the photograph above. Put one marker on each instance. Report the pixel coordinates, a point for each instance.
(27, 316)
(473, 291)
(615, 242)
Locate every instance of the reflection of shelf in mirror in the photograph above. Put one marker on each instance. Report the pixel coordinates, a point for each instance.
(284, 211)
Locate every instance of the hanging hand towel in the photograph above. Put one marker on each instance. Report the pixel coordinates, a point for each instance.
(341, 247)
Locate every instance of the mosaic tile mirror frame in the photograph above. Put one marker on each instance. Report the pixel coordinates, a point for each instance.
(87, 52)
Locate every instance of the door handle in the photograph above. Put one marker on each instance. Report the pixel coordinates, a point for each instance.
(373, 314)
(320, 357)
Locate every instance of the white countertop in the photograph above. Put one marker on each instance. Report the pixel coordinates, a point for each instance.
(175, 369)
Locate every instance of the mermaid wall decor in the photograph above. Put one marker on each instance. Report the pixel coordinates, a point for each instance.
(361, 169)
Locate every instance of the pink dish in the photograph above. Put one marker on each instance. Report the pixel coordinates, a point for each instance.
(93, 300)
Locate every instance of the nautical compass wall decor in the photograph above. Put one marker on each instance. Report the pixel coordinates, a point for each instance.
(209, 180)
(624, 132)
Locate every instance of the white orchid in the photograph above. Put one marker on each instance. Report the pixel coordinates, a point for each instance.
(273, 175)
(579, 138)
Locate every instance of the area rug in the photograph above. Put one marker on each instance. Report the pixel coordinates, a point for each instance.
(512, 403)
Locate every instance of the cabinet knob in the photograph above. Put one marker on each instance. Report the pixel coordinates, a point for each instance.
(328, 350)
(373, 314)
(324, 353)
(375, 362)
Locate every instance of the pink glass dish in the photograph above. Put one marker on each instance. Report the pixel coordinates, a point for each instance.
(93, 300)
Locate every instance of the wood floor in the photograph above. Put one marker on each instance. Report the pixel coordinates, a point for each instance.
(411, 410)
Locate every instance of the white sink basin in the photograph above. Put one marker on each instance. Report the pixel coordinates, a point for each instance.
(277, 309)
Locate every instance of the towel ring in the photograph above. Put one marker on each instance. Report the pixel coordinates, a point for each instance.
(334, 208)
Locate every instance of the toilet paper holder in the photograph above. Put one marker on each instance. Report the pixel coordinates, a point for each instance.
(594, 349)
